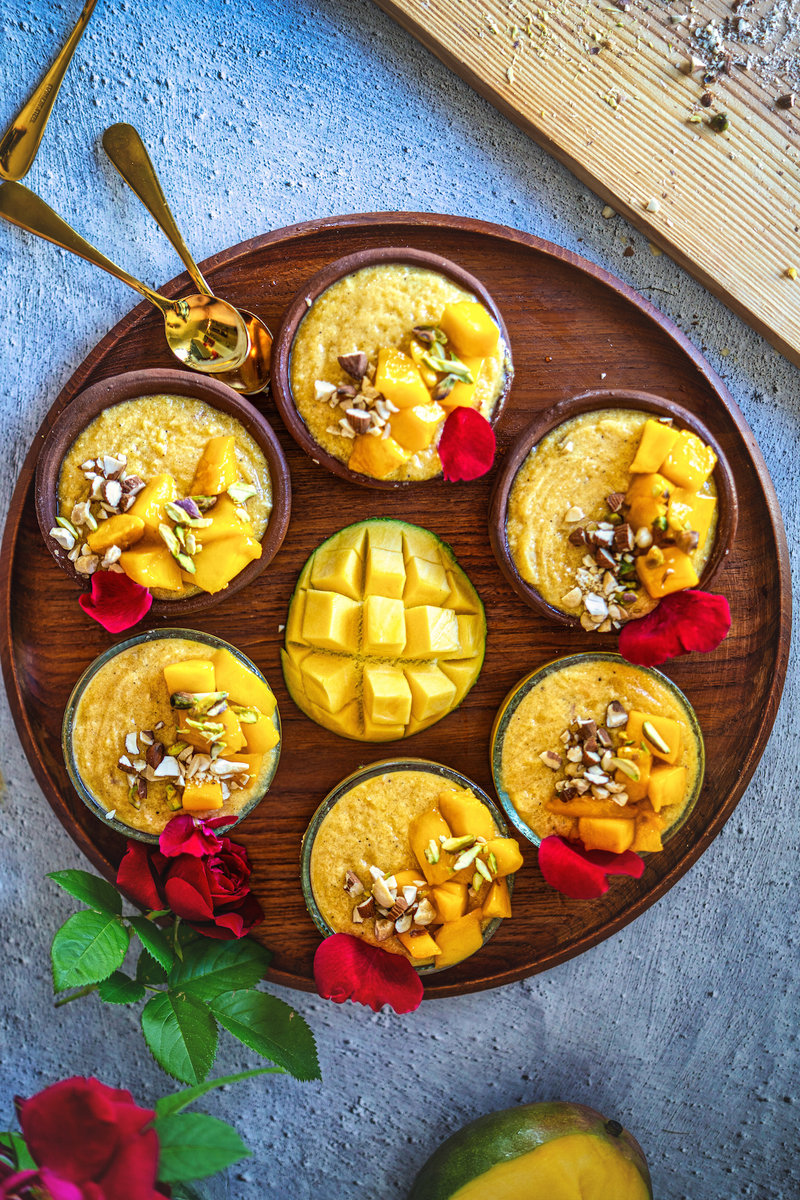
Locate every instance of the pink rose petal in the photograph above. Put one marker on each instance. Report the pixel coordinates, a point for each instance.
(116, 602)
(347, 968)
(581, 874)
(467, 445)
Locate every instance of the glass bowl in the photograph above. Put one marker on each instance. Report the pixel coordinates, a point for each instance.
(88, 797)
(363, 774)
(518, 693)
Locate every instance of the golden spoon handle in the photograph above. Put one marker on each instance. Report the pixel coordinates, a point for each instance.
(21, 140)
(129, 155)
(24, 208)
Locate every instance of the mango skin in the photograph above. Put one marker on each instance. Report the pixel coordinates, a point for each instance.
(505, 1135)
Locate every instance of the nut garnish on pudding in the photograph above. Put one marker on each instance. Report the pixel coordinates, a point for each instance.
(171, 725)
(610, 512)
(381, 359)
(167, 490)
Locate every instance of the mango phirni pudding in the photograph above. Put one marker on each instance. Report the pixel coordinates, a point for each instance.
(380, 360)
(610, 512)
(385, 633)
(170, 491)
(599, 750)
(408, 861)
(173, 725)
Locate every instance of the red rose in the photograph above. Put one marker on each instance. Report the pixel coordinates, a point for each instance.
(212, 893)
(90, 1142)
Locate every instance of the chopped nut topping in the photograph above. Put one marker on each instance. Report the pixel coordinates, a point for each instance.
(384, 928)
(352, 884)
(354, 364)
(551, 759)
(616, 715)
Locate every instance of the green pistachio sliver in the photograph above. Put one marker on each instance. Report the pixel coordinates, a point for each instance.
(432, 852)
(133, 796)
(477, 881)
(482, 869)
(247, 715)
(240, 493)
(70, 528)
(174, 801)
(492, 862)
(654, 737)
(177, 748)
(181, 700)
(184, 561)
(204, 701)
(209, 729)
(204, 502)
(216, 749)
(90, 520)
(180, 534)
(459, 843)
(449, 366)
(627, 767)
(467, 858)
(181, 517)
(170, 540)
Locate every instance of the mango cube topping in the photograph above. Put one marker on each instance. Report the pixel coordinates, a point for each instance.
(372, 649)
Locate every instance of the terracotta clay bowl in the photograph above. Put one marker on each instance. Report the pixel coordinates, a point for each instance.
(89, 404)
(592, 401)
(301, 304)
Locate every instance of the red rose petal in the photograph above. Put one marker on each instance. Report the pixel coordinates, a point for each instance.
(136, 878)
(580, 873)
(186, 834)
(116, 601)
(467, 445)
(347, 968)
(681, 623)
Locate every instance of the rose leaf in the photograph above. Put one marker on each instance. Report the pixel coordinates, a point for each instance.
(154, 940)
(272, 1029)
(87, 948)
(194, 1145)
(103, 897)
(212, 968)
(120, 989)
(181, 1034)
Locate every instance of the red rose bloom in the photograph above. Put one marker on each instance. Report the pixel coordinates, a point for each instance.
(211, 893)
(90, 1142)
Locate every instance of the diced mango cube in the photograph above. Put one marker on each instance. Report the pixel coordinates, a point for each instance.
(506, 852)
(330, 681)
(149, 504)
(233, 739)
(294, 621)
(668, 731)
(384, 535)
(647, 836)
(420, 543)
(656, 442)
(588, 806)
(462, 598)
(337, 570)
(217, 468)
(379, 732)
(664, 570)
(647, 498)
(667, 786)
(498, 901)
(221, 561)
(451, 900)
(431, 631)
(387, 696)
(385, 574)
(462, 671)
(690, 461)
(260, 736)
(384, 628)
(425, 829)
(225, 521)
(466, 814)
(202, 797)
(398, 379)
(151, 565)
(122, 530)
(330, 621)
(470, 328)
(643, 760)
(426, 583)
(420, 945)
(459, 939)
(378, 457)
(471, 634)
(463, 394)
(691, 511)
(416, 428)
(191, 675)
(253, 763)
(603, 833)
(432, 693)
(241, 684)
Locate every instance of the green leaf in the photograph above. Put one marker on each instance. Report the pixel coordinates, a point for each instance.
(181, 1034)
(185, 1191)
(194, 1145)
(272, 1029)
(148, 970)
(120, 989)
(19, 1155)
(210, 968)
(154, 940)
(101, 896)
(87, 948)
(179, 1100)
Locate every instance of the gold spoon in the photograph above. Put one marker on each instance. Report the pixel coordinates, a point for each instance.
(203, 333)
(128, 153)
(21, 140)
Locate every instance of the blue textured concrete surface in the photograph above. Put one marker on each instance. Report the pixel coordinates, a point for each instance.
(684, 1025)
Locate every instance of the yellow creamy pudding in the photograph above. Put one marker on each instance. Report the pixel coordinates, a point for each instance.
(409, 856)
(611, 511)
(168, 723)
(168, 489)
(380, 360)
(594, 748)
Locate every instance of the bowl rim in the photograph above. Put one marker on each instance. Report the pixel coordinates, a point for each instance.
(544, 423)
(360, 775)
(131, 385)
(88, 674)
(301, 304)
(519, 691)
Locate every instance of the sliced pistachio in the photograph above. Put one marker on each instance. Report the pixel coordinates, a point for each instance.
(182, 700)
(65, 524)
(169, 539)
(173, 799)
(177, 748)
(492, 862)
(240, 493)
(203, 702)
(444, 387)
(627, 767)
(654, 737)
(248, 715)
(204, 502)
(454, 844)
(482, 869)
(133, 795)
(209, 729)
(216, 749)
(449, 366)
(467, 858)
(184, 561)
(180, 534)
(432, 852)
(477, 881)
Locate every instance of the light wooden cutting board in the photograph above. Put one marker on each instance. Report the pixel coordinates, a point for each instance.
(602, 88)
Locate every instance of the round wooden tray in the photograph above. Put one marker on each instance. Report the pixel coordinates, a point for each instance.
(572, 327)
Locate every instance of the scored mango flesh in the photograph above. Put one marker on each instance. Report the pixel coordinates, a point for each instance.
(385, 633)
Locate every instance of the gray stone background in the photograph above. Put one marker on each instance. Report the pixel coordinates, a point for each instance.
(684, 1025)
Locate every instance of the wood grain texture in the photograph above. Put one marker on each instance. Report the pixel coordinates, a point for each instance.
(570, 324)
(615, 109)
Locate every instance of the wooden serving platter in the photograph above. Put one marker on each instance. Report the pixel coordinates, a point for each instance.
(572, 327)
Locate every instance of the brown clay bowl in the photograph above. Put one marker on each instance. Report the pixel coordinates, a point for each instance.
(160, 381)
(543, 424)
(284, 340)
